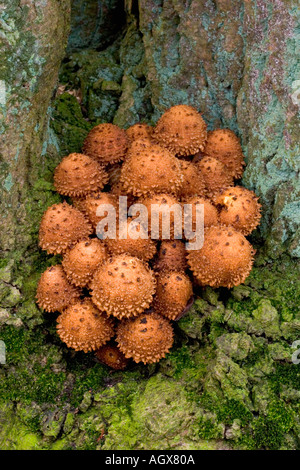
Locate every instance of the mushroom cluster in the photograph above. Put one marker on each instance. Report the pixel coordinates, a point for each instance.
(120, 295)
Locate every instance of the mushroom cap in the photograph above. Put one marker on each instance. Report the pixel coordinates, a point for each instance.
(193, 181)
(61, 226)
(182, 130)
(83, 327)
(165, 201)
(139, 145)
(54, 292)
(215, 175)
(211, 216)
(173, 292)
(81, 260)
(143, 248)
(110, 355)
(79, 175)
(171, 256)
(153, 169)
(225, 258)
(123, 286)
(139, 131)
(106, 143)
(239, 208)
(225, 146)
(146, 338)
(91, 203)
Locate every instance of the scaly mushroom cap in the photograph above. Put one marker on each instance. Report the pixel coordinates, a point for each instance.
(193, 181)
(239, 208)
(143, 248)
(139, 131)
(139, 145)
(54, 292)
(211, 216)
(182, 130)
(91, 203)
(171, 257)
(106, 143)
(61, 226)
(110, 355)
(146, 338)
(154, 169)
(225, 259)
(215, 175)
(165, 201)
(225, 146)
(81, 261)
(83, 327)
(79, 175)
(174, 290)
(123, 286)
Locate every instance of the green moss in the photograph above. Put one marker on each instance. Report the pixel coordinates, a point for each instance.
(268, 434)
(272, 291)
(209, 429)
(285, 374)
(30, 377)
(178, 360)
(69, 123)
(233, 409)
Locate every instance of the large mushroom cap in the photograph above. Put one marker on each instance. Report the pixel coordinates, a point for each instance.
(139, 145)
(193, 181)
(225, 258)
(92, 202)
(139, 131)
(182, 130)
(123, 286)
(215, 175)
(54, 292)
(239, 208)
(143, 248)
(81, 261)
(153, 169)
(61, 226)
(79, 175)
(171, 256)
(111, 355)
(146, 338)
(173, 292)
(83, 327)
(106, 143)
(225, 146)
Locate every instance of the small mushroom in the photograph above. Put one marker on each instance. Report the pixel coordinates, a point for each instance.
(146, 338)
